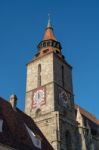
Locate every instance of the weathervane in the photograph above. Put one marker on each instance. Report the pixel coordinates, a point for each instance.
(49, 16)
(49, 20)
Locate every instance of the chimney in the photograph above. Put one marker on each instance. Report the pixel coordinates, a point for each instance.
(13, 101)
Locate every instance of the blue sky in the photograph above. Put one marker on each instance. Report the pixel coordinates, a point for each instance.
(76, 26)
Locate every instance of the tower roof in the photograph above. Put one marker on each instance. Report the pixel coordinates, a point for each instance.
(49, 42)
(49, 34)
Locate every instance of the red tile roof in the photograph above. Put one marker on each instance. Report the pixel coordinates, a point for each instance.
(14, 131)
(88, 115)
(49, 34)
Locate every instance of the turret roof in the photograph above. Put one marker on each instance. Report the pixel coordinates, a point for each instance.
(49, 34)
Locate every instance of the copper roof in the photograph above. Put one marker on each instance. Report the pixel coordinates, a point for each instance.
(49, 34)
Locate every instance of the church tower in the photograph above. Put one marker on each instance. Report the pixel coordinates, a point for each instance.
(49, 93)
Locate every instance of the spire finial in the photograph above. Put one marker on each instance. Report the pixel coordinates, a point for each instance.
(49, 16)
(49, 21)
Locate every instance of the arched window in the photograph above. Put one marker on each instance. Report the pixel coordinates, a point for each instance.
(38, 113)
(44, 44)
(39, 75)
(62, 76)
(68, 141)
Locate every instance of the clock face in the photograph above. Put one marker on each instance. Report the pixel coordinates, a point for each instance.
(39, 97)
(64, 98)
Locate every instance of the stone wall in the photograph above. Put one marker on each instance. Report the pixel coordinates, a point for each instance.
(58, 63)
(46, 81)
(53, 119)
(49, 125)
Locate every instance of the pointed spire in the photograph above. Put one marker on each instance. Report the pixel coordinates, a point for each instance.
(49, 41)
(49, 34)
(49, 21)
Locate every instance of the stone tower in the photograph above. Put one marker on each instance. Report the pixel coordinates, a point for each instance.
(49, 93)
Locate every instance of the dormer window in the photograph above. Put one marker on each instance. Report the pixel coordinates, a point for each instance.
(1, 125)
(46, 50)
(62, 68)
(54, 44)
(58, 45)
(36, 140)
(39, 75)
(48, 43)
(44, 44)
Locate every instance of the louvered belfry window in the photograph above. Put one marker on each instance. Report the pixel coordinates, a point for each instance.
(39, 75)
